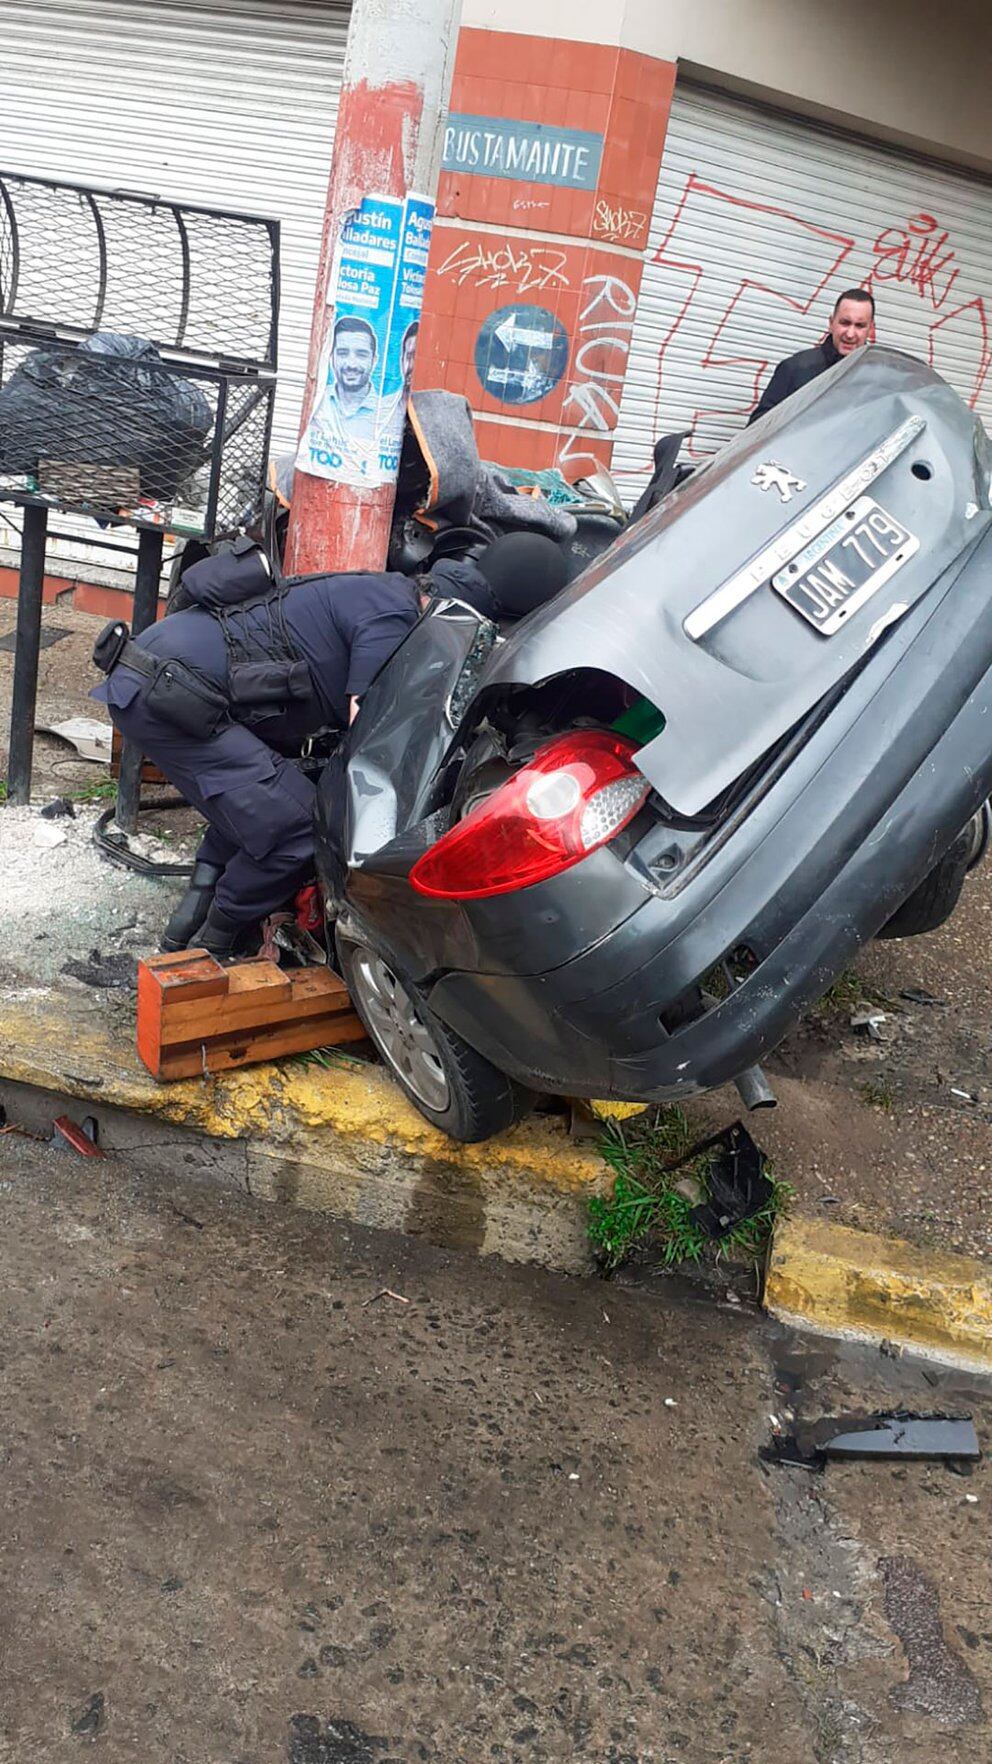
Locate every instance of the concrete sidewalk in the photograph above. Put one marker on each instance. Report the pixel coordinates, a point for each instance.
(340, 1140)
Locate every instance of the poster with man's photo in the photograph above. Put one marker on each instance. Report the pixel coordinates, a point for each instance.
(355, 430)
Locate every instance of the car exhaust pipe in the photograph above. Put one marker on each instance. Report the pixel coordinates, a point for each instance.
(754, 1089)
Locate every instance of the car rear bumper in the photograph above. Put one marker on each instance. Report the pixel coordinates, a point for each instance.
(812, 874)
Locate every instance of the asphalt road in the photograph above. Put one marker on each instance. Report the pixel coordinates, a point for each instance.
(280, 1490)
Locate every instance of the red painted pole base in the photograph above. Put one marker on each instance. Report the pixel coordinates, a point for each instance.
(337, 528)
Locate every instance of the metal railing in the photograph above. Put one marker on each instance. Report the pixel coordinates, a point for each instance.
(138, 347)
(201, 281)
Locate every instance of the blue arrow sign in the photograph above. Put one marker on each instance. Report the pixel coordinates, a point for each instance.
(521, 353)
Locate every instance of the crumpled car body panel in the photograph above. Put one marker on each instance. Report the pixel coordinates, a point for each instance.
(856, 761)
(728, 694)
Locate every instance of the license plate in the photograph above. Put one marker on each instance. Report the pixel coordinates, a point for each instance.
(850, 561)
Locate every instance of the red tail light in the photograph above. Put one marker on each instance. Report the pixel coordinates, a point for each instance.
(576, 794)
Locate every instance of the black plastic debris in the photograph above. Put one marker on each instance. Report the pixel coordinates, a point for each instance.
(90, 1721)
(49, 634)
(919, 995)
(55, 811)
(949, 1439)
(735, 1179)
(114, 970)
(905, 1436)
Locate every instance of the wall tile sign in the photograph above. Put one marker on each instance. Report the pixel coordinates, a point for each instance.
(529, 152)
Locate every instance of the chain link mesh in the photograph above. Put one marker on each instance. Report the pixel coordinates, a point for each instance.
(134, 439)
(201, 280)
(94, 418)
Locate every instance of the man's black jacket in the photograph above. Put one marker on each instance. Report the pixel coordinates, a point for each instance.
(795, 371)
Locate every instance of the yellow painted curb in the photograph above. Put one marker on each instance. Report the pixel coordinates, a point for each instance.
(342, 1140)
(853, 1283)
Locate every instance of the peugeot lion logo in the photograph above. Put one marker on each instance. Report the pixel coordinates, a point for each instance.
(775, 477)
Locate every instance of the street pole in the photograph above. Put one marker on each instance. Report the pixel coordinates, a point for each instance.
(27, 647)
(391, 116)
(144, 613)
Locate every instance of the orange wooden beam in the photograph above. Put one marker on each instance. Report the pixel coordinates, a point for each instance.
(197, 1016)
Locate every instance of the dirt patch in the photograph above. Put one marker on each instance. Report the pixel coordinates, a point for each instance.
(67, 916)
(893, 1135)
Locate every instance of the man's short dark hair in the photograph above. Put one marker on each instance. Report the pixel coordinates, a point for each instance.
(349, 323)
(854, 294)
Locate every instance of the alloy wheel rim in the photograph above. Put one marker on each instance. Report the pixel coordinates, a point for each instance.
(398, 1030)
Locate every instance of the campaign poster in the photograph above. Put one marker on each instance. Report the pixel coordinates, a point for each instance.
(355, 431)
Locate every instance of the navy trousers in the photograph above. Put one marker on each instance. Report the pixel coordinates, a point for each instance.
(258, 805)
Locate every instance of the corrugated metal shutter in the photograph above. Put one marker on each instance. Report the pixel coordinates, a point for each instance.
(760, 220)
(232, 105)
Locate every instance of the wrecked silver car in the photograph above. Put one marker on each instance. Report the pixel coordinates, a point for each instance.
(617, 851)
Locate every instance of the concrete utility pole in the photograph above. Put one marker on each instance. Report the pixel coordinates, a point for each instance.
(391, 115)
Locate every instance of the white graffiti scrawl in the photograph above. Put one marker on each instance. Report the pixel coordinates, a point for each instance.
(599, 367)
(525, 268)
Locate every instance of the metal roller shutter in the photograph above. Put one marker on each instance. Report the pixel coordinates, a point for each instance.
(232, 105)
(760, 219)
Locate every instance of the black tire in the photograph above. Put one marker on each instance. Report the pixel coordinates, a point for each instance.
(934, 900)
(478, 1099)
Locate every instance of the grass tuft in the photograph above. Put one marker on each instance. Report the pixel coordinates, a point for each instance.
(877, 1093)
(328, 1058)
(847, 995)
(101, 790)
(651, 1201)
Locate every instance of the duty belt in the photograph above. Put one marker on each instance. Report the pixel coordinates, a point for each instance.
(133, 656)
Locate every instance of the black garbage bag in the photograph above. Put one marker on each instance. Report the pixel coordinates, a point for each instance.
(110, 401)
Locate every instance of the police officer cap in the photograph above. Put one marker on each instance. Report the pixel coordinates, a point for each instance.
(523, 570)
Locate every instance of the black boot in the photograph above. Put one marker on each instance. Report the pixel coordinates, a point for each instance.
(221, 936)
(189, 915)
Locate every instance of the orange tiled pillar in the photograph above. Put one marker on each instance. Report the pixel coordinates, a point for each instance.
(552, 152)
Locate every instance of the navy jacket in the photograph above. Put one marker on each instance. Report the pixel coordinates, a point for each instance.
(795, 371)
(344, 626)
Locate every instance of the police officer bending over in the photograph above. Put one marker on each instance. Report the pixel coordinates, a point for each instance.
(226, 696)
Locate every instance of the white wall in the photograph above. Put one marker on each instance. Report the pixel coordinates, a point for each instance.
(907, 69)
(598, 21)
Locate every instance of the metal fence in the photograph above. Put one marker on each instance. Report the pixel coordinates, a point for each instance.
(137, 354)
(198, 280)
(137, 378)
(130, 438)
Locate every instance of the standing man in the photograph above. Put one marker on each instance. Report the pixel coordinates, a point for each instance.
(849, 329)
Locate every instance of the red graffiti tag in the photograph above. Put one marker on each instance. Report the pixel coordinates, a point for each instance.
(919, 256)
(706, 212)
(916, 254)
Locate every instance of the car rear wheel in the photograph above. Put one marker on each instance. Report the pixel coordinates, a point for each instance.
(934, 900)
(454, 1087)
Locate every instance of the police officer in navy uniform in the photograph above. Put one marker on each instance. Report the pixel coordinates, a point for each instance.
(850, 328)
(226, 695)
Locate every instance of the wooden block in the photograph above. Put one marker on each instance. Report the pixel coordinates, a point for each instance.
(313, 993)
(150, 773)
(227, 1054)
(196, 1016)
(189, 973)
